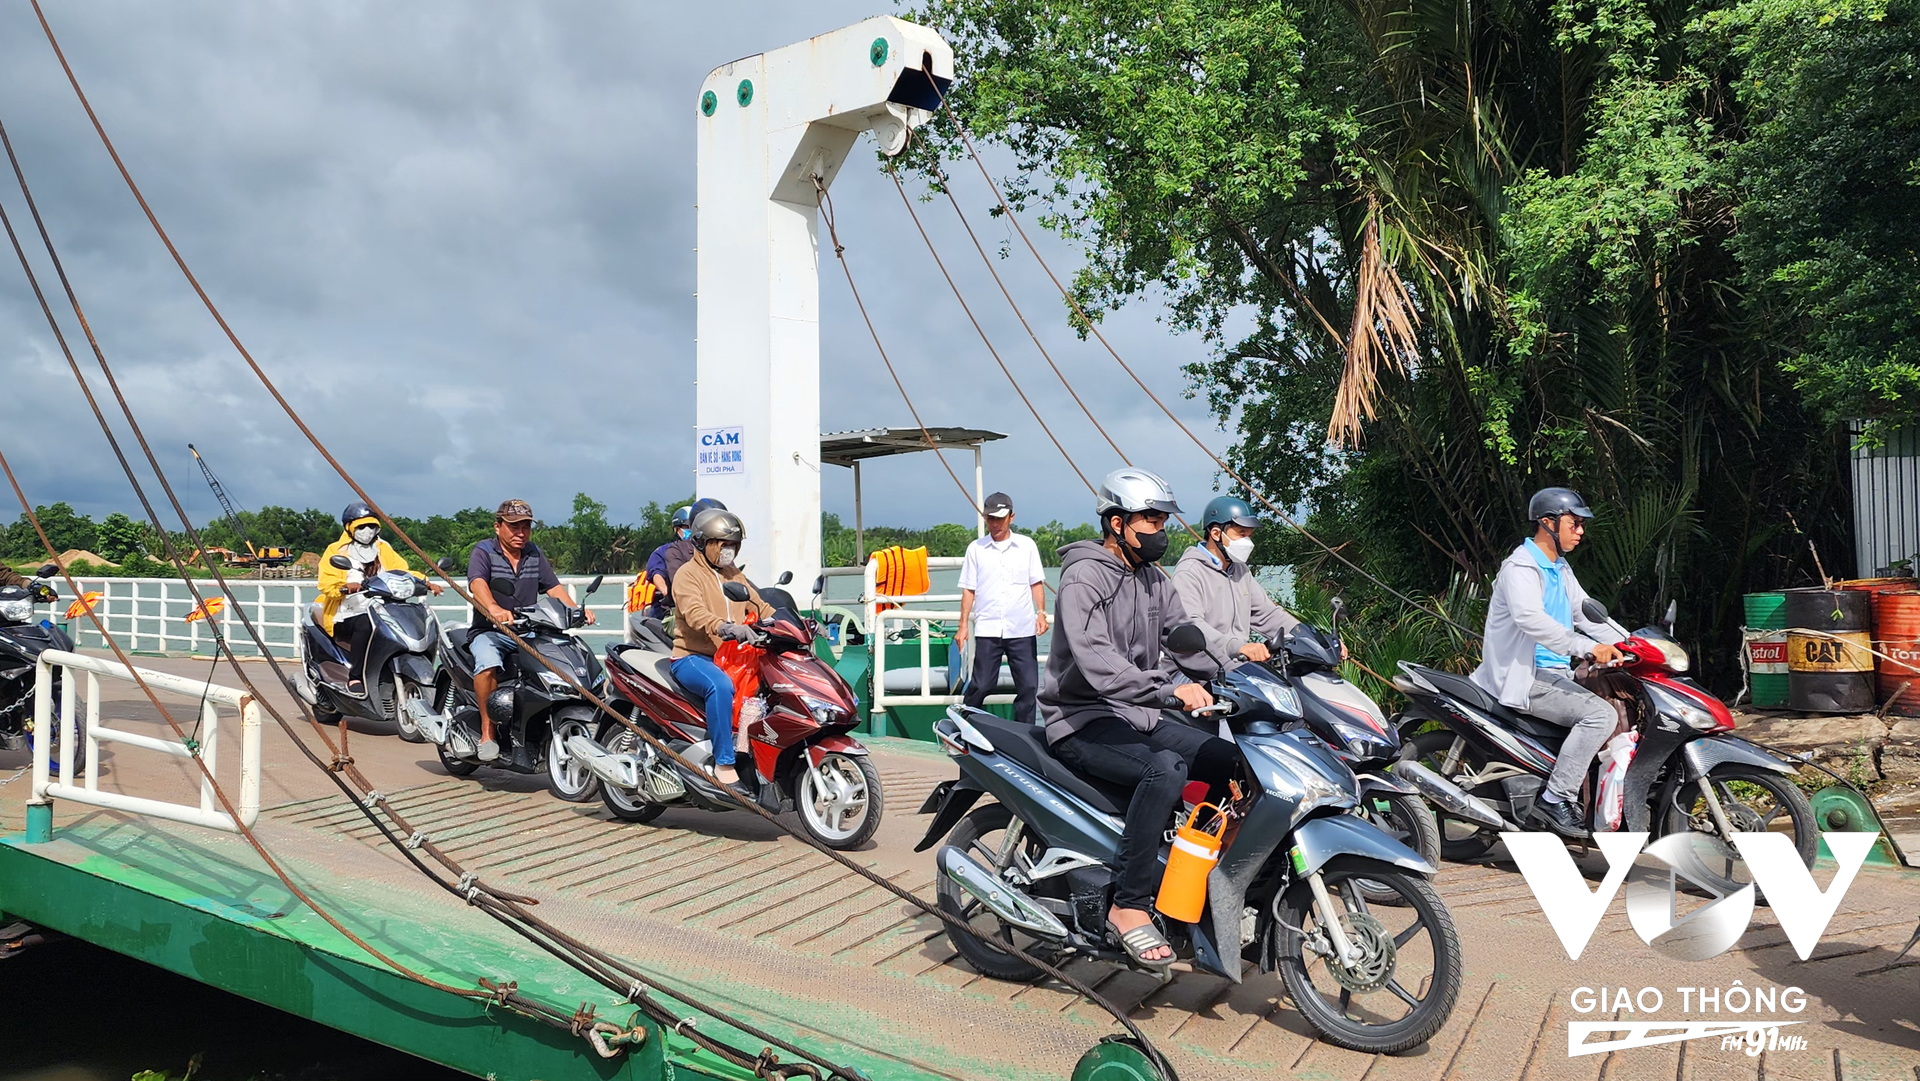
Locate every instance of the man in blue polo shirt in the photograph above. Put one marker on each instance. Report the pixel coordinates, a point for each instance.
(505, 572)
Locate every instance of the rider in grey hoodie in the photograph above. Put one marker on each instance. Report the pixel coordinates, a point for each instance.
(1109, 678)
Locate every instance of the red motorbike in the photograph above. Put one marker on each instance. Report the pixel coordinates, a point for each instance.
(793, 713)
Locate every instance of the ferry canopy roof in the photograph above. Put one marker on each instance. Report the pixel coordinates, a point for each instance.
(846, 448)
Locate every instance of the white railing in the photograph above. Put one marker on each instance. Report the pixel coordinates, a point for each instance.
(210, 699)
(921, 617)
(148, 615)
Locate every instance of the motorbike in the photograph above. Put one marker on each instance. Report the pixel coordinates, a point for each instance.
(399, 664)
(1688, 773)
(1300, 686)
(796, 753)
(22, 640)
(1033, 870)
(534, 711)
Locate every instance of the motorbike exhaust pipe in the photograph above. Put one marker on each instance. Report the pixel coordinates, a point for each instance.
(1005, 903)
(622, 770)
(1448, 796)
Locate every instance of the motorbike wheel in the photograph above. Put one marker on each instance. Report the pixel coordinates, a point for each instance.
(1460, 839)
(625, 805)
(982, 835)
(567, 777)
(1406, 818)
(844, 814)
(1754, 799)
(1403, 988)
(405, 725)
(455, 767)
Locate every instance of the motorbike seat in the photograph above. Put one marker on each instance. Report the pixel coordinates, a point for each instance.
(1473, 695)
(650, 661)
(1027, 745)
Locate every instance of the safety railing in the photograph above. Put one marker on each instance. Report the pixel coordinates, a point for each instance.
(149, 615)
(210, 698)
(884, 610)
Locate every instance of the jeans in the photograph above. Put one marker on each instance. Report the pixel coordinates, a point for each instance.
(1558, 699)
(704, 680)
(1022, 655)
(1155, 764)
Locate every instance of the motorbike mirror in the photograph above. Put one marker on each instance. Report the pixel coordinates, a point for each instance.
(785, 577)
(736, 592)
(1186, 638)
(340, 563)
(445, 563)
(1673, 611)
(47, 570)
(593, 585)
(1594, 610)
(819, 585)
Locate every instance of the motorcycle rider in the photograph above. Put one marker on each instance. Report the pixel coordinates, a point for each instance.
(1534, 629)
(1108, 679)
(510, 558)
(1217, 587)
(655, 572)
(707, 618)
(344, 608)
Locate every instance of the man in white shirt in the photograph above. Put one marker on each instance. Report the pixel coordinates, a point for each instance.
(1003, 606)
(1534, 630)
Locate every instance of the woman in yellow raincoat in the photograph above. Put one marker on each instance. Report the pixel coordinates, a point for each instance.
(343, 607)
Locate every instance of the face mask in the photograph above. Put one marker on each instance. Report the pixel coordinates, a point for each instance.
(1150, 546)
(366, 534)
(1240, 550)
(727, 556)
(685, 533)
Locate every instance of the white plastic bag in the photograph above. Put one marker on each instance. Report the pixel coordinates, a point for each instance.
(1615, 758)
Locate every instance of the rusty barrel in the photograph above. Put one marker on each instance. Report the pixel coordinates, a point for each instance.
(1896, 635)
(1766, 649)
(1829, 657)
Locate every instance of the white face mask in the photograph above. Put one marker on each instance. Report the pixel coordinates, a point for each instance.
(727, 556)
(1240, 550)
(366, 534)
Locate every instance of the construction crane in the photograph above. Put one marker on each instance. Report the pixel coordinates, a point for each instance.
(254, 557)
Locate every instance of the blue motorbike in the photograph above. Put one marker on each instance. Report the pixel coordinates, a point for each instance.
(1290, 893)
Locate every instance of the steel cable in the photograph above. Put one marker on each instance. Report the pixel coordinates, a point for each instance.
(564, 675)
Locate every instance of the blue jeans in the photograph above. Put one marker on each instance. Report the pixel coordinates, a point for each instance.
(704, 680)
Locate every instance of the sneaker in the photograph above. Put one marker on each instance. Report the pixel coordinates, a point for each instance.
(489, 750)
(1562, 818)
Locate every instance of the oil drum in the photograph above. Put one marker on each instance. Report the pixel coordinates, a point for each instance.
(1767, 649)
(1829, 657)
(1896, 635)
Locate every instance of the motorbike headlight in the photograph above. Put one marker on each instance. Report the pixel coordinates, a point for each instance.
(16, 609)
(823, 712)
(1282, 698)
(402, 586)
(555, 682)
(1667, 703)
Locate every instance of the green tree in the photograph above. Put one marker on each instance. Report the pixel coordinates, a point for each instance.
(121, 537)
(65, 529)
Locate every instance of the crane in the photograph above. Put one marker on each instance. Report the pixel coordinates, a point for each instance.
(254, 557)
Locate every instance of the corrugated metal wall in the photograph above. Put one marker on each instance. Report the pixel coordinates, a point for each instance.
(1886, 503)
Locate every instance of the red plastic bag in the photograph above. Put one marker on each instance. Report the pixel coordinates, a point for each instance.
(741, 663)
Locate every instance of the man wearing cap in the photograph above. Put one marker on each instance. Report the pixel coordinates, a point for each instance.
(505, 572)
(1003, 605)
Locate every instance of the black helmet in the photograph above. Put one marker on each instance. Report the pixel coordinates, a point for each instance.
(682, 517)
(1228, 510)
(704, 504)
(355, 511)
(1553, 502)
(716, 524)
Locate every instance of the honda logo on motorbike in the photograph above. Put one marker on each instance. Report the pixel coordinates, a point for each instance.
(1574, 911)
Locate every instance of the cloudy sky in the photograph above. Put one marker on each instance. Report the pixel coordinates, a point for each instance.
(460, 237)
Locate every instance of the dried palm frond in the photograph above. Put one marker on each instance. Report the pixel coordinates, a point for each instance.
(1384, 338)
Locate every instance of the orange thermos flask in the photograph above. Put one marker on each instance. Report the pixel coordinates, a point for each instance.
(1183, 888)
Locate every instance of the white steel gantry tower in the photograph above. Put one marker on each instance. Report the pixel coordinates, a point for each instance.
(769, 127)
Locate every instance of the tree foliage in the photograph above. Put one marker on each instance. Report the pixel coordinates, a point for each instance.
(1489, 247)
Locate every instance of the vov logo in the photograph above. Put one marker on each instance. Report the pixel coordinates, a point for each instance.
(1802, 908)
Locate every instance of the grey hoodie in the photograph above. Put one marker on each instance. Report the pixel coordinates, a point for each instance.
(1227, 603)
(1106, 656)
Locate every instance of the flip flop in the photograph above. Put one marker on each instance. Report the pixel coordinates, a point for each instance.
(1141, 939)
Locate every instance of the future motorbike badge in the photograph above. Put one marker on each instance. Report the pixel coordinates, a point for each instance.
(1652, 902)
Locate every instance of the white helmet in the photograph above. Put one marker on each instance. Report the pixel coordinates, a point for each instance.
(1131, 491)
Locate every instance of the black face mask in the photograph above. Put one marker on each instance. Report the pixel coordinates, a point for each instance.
(1151, 546)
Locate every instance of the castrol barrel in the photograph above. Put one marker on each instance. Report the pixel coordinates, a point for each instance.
(1896, 635)
(1829, 655)
(1767, 649)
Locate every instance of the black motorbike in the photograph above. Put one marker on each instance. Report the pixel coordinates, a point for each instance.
(22, 640)
(399, 666)
(1299, 686)
(1033, 869)
(534, 711)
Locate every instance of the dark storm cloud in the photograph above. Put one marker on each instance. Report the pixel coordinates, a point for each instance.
(460, 237)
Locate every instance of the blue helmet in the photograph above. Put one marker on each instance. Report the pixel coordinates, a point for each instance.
(1227, 510)
(703, 504)
(682, 517)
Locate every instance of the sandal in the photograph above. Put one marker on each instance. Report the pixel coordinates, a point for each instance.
(1141, 939)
